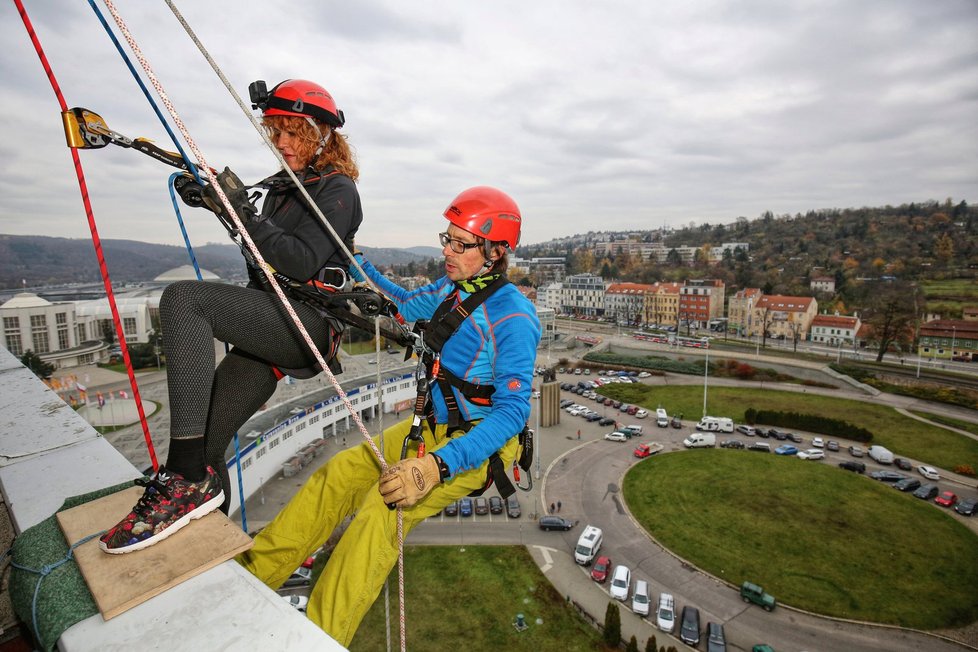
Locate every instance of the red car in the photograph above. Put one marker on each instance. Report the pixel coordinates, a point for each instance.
(599, 572)
(946, 499)
(642, 451)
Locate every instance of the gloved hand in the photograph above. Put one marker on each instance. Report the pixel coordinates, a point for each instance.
(237, 196)
(189, 190)
(354, 272)
(410, 480)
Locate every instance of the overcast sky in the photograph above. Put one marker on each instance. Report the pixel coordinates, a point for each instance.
(613, 115)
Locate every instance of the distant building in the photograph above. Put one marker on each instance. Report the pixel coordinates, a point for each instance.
(740, 311)
(970, 313)
(582, 294)
(662, 304)
(545, 269)
(835, 330)
(700, 301)
(625, 302)
(948, 339)
(783, 317)
(50, 330)
(823, 284)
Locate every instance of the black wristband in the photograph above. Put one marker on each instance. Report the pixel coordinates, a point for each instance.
(443, 472)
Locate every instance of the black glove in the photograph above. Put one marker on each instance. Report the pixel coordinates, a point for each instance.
(189, 190)
(237, 196)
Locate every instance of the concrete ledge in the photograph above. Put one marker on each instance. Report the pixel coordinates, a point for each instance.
(49, 453)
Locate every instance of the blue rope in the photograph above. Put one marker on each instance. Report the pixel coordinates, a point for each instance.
(46, 570)
(176, 207)
(149, 98)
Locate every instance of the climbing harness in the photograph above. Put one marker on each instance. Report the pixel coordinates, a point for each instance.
(432, 336)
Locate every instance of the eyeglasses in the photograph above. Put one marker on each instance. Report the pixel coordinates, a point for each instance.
(458, 246)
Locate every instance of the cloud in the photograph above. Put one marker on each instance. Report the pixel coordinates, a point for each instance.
(623, 115)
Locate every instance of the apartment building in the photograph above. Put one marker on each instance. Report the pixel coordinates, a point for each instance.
(783, 317)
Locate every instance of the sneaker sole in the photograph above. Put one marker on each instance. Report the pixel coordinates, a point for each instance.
(202, 510)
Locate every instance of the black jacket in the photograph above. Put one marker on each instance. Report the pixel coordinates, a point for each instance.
(291, 237)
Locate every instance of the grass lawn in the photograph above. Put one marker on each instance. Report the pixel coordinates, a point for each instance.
(904, 436)
(469, 600)
(842, 544)
(948, 421)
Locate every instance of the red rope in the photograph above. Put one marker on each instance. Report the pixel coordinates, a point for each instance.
(96, 241)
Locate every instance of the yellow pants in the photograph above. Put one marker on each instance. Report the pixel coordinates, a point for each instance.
(367, 551)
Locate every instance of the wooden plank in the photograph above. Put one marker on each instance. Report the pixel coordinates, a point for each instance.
(120, 582)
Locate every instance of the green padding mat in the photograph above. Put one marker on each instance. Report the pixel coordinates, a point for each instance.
(63, 598)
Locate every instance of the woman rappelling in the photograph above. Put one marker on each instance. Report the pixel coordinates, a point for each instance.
(208, 405)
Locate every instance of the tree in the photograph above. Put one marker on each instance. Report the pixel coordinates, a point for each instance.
(632, 644)
(891, 313)
(612, 625)
(652, 645)
(33, 361)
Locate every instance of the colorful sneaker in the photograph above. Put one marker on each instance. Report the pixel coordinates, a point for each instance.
(169, 503)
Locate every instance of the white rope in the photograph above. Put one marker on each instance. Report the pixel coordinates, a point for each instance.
(264, 266)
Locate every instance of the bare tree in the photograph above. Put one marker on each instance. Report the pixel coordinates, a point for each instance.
(891, 315)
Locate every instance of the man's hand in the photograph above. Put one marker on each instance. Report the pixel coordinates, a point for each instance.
(237, 196)
(410, 480)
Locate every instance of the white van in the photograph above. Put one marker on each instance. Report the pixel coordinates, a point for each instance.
(700, 440)
(588, 545)
(715, 424)
(661, 418)
(880, 454)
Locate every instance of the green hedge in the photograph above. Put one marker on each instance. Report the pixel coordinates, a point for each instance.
(809, 423)
(648, 362)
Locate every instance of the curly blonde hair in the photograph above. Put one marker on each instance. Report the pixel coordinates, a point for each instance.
(336, 153)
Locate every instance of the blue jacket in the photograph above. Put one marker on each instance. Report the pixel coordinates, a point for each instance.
(496, 345)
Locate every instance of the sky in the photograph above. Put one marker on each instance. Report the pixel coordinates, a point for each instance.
(625, 114)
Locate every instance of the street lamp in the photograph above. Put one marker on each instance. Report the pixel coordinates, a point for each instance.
(954, 335)
(706, 374)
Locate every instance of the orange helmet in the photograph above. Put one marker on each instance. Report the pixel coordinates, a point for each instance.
(302, 98)
(487, 212)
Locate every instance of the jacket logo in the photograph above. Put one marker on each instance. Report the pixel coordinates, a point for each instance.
(514, 385)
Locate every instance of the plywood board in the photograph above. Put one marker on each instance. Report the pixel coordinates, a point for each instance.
(120, 582)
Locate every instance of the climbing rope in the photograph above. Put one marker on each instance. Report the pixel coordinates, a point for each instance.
(259, 260)
(96, 240)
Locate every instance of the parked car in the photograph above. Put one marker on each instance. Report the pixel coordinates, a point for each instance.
(966, 506)
(907, 484)
(812, 454)
(716, 641)
(731, 443)
(926, 491)
(621, 582)
(850, 465)
(817, 442)
(481, 505)
(677, 421)
(451, 509)
(689, 628)
(599, 572)
(549, 523)
(761, 446)
(616, 436)
(747, 430)
(856, 451)
(300, 602)
(785, 449)
(495, 505)
(832, 445)
(641, 413)
(946, 499)
(774, 433)
(300, 577)
(902, 463)
(513, 507)
(665, 615)
(606, 421)
(594, 416)
(762, 432)
(465, 506)
(640, 598)
(794, 437)
(887, 476)
(928, 472)
(751, 592)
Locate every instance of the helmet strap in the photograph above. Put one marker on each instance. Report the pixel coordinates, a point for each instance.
(323, 140)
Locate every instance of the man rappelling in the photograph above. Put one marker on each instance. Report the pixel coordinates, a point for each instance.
(208, 405)
(477, 346)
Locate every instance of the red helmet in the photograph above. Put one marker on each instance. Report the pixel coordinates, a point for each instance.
(299, 97)
(487, 212)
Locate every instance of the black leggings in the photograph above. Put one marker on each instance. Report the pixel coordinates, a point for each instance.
(254, 322)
